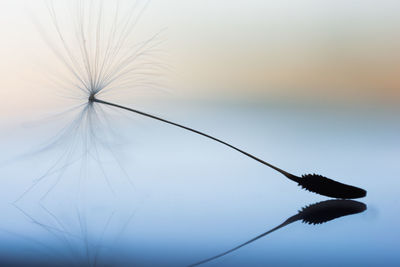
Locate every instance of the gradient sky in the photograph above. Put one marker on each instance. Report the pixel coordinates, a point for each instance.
(343, 51)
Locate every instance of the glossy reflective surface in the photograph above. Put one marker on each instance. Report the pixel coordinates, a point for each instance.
(152, 195)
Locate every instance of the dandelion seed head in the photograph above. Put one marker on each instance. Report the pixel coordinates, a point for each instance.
(99, 54)
(100, 48)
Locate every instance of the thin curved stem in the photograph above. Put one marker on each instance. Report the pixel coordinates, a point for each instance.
(288, 175)
(288, 221)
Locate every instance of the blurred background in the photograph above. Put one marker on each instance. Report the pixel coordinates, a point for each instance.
(303, 52)
(310, 86)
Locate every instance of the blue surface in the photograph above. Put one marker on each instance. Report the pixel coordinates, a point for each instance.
(165, 197)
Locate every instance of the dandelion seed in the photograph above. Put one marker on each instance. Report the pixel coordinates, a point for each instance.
(106, 62)
(98, 56)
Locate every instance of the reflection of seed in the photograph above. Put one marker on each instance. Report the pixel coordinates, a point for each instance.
(74, 238)
(316, 213)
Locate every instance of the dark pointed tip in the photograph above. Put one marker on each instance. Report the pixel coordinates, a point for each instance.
(363, 193)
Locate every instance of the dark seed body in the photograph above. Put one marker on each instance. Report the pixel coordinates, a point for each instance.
(328, 187)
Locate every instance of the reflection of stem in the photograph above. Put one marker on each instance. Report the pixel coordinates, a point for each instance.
(288, 221)
(316, 213)
(288, 175)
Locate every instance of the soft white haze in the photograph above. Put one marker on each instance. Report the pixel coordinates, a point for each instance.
(329, 50)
